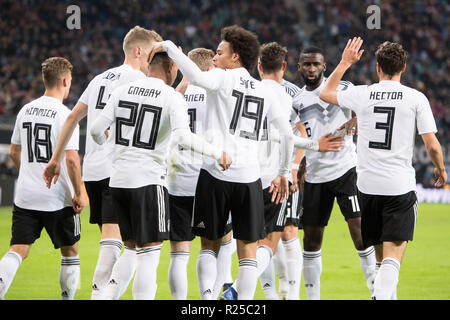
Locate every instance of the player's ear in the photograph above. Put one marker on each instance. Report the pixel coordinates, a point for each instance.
(137, 51)
(324, 66)
(283, 67)
(404, 68)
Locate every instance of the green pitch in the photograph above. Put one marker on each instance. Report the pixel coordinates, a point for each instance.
(424, 274)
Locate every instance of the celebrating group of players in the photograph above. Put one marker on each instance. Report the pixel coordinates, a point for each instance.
(218, 157)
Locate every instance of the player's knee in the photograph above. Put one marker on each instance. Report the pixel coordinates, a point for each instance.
(69, 251)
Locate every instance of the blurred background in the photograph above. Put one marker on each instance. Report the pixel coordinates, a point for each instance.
(32, 31)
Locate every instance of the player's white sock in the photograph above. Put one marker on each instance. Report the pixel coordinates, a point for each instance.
(387, 279)
(109, 253)
(312, 269)
(8, 268)
(279, 263)
(69, 276)
(144, 284)
(223, 266)
(267, 280)
(368, 261)
(206, 273)
(121, 274)
(178, 280)
(247, 279)
(294, 263)
(263, 257)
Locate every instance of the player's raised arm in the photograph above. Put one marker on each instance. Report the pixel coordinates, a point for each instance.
(193, 74)
(52, 169)
(351, 55)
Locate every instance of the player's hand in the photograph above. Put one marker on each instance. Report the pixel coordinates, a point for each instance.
(51, 172)
(351, 127)
(352, 52)
(157, 47)
(294, 187)
(329, 143)
(279, 188)
(441, 177)
(225, 162)
(78, 203)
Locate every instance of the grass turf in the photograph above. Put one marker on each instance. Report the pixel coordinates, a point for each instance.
(423, 276)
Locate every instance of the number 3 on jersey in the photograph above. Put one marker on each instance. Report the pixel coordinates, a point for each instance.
(137, 121)
(388, 126)
(243, 100)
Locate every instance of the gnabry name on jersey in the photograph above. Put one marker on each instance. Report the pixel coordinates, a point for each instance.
(41, 112)
(387, 95)
(145, 92)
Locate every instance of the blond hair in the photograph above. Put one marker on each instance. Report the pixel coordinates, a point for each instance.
(139, 36)
(202, 58)
(53, 69)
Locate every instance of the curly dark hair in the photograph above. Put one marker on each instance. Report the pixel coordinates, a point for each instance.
(243, 42)
(391, 57)
(272, 57)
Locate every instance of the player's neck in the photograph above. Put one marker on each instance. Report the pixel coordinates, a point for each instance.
(276, 76)
(56, 93)
(133, 63)
(314, 87)
(395, 77)
(154, 73)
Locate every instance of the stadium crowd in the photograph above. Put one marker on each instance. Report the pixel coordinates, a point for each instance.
(421, 26)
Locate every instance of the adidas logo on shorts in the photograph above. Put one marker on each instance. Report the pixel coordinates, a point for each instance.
(201, 225)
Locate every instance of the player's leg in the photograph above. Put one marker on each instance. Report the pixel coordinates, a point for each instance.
(180, 244)
(399, 216)
(293, 249)
(149, 211)
(279, 264)
(211, 212)
(69, 274)
(101, 213)
(346, 192)
(248, 227)
(264, 255)
(26, 228)
(64, 229)
(124, 269)
(317, 206)
(9, 264)
(224, 261)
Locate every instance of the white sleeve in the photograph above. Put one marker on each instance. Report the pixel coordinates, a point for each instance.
(351, 98)
(298, 142)
(211, 80)
(286, 144)
(424, 116)
(15, 139)
(84, 98)
(178, 112)
(74, 142)
(191, 141)
(98, 129)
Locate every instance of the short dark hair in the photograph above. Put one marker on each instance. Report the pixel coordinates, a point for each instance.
(272, 56)
(162, 59)
(243, 42)
(53, 69)
(312, 49)
(391, 57)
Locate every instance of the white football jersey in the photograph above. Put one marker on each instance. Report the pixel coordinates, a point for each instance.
(185, 165)
(319, 117)
(97, 158)
(237, 106)
(269, 150)
(145, 113)
(388, 114)
(38, 126)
